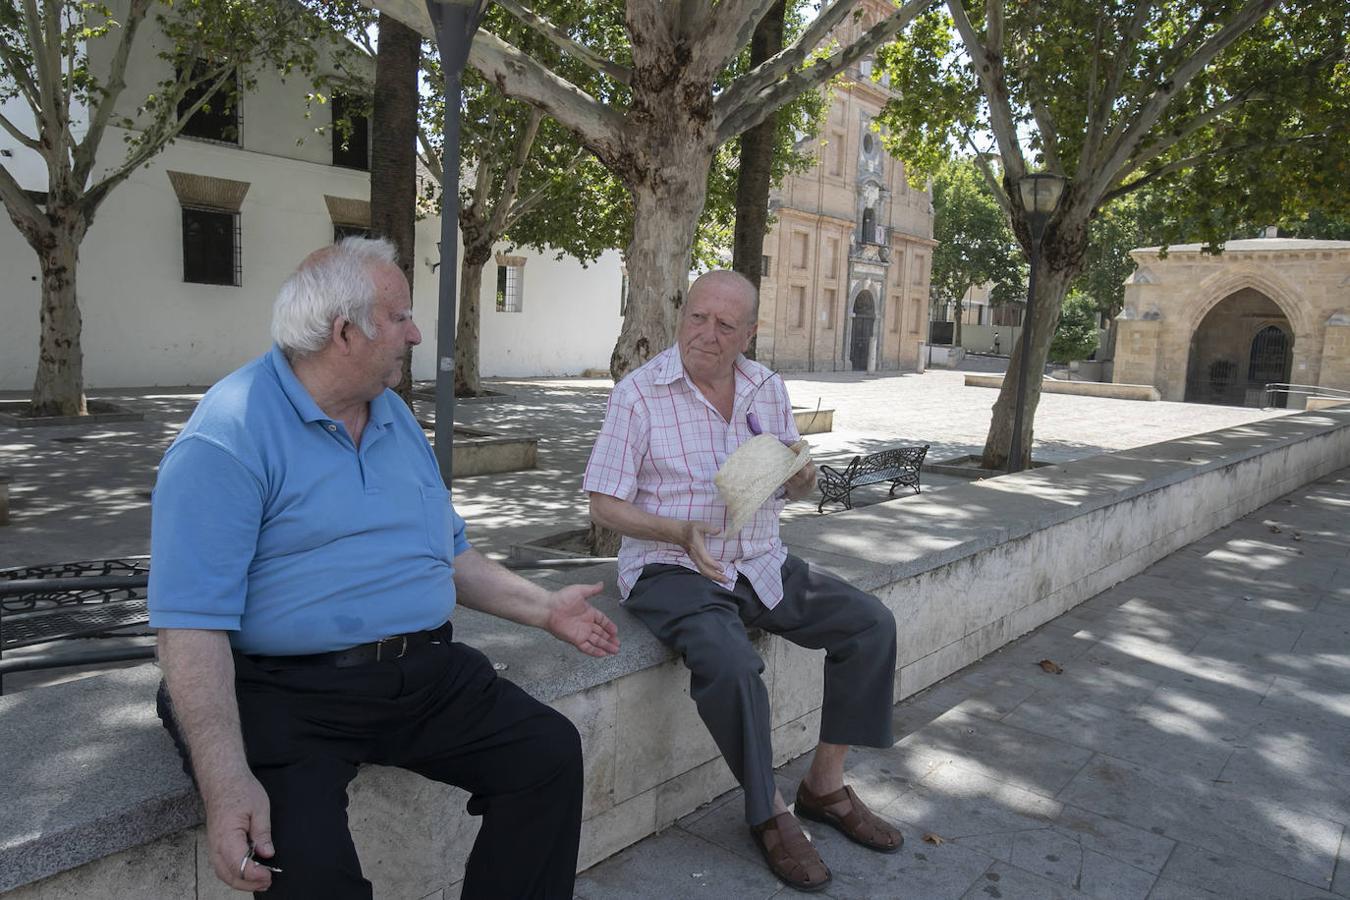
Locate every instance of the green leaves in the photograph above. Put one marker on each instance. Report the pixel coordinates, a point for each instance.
(975, 245)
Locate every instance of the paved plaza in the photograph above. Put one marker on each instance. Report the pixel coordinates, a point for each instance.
(1195, 743)
(84, 491)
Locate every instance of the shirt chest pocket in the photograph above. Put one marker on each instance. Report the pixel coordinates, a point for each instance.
(436, 512)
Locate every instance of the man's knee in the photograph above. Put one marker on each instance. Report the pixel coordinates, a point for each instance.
(875, 628)
(724, 661)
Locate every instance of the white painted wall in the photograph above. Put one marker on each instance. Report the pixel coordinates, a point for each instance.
(144, 326)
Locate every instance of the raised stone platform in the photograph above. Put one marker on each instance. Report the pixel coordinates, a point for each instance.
(813, 421)
(1081, 388)
(97, 801)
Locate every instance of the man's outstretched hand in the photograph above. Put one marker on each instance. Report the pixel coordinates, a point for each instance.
(571, 618)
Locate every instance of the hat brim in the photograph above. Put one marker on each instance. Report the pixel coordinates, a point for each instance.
(744, 490)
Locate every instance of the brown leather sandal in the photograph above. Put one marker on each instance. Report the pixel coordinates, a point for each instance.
(792, 859)
(859, 824)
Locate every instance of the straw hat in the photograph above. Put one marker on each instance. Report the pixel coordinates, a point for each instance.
(753, 472)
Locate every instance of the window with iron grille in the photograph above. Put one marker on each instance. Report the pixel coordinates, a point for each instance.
(211, 252)
(510, 288)
(351, 133)
(218, 119)
(346, 231)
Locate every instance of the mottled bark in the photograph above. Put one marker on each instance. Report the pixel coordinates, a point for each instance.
(58, 388)
(468, 382)
(1061, 261)
(756, 166)
(393, 164)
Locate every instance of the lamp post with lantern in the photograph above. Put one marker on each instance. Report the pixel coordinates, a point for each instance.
(1039, 193)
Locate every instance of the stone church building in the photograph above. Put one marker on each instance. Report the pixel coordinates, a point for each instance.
(1209, 328)
(847, 264)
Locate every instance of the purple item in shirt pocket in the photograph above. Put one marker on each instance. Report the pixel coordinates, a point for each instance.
(753, 421)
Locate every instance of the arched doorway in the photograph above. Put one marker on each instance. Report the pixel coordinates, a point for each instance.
(1244, 343)
(860, 342)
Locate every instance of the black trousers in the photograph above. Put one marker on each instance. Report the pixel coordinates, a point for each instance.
(705, 623)
(441, 712)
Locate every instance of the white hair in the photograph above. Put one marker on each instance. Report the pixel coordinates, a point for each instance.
(333, 283)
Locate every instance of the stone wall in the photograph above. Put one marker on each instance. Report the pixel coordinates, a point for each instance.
(1304, 282)
(97, 797)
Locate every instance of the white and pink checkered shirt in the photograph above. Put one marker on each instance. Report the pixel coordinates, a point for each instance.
(661, 445)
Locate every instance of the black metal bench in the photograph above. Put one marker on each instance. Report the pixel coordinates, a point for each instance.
(62, 601)
(897, 465)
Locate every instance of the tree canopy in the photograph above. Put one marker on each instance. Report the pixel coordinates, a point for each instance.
(1220, 108)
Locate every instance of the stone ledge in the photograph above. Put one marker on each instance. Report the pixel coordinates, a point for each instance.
(965, 570)
(1081, 388)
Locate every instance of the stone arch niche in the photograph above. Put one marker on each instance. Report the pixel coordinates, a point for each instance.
(1242, 343)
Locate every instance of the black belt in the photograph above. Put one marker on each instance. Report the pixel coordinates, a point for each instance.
(383, 650)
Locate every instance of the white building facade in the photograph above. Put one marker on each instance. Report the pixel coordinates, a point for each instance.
(149, 320)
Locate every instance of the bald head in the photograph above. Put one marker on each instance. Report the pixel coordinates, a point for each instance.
(728, 282)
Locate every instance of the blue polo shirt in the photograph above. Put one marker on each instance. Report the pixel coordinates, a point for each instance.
(269, 523)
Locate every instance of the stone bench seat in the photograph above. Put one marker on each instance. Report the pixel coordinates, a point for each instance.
(98, 804)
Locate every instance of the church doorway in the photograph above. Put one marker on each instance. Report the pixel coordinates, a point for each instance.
(864, 321)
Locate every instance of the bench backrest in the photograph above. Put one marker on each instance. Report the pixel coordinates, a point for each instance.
(895, 459)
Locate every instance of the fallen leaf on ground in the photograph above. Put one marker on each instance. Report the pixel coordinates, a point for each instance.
(1050, 665)
(934, 839)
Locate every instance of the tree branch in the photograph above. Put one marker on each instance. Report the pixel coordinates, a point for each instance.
(558, 38)
(989, 69)
(737, 110)
(511, 183)
(42, 59)
(16, 69)
(431, 160)
(522, 207)
(1184, 132)
(516, 75)
(87, 150)
(1190, 161)
(1128, 143)
(730, 27)
(18, 135)
(1049, 137)
(788, 60)
(154, 139)
(17, 201)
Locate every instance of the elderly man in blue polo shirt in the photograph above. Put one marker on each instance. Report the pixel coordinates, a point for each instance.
(306, 561)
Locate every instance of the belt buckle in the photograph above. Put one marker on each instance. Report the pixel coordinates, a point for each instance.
(402, 648)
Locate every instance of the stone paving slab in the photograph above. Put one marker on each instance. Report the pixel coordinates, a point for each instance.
(1197, 743)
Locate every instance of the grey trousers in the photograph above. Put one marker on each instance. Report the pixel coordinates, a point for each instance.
(706, 624)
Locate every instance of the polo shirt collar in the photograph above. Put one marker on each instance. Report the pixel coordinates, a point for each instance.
(381, 412)
(295, 392)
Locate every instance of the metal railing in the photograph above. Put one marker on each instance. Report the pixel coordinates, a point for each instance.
(1303, 390)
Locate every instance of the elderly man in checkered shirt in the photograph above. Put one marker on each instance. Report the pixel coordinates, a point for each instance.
(669, 427)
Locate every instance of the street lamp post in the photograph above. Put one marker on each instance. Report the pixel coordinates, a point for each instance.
(455, 22)
(1040, 193)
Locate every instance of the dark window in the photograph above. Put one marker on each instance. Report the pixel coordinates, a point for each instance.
(211, 247)
(510, 289)
(351, 134)
(218, 119)
(346, 231)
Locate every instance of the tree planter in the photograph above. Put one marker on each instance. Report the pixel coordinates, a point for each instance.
(15, 414)
(969, 467)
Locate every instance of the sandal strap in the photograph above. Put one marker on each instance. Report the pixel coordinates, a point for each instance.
(792, 856)
(859, 821)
